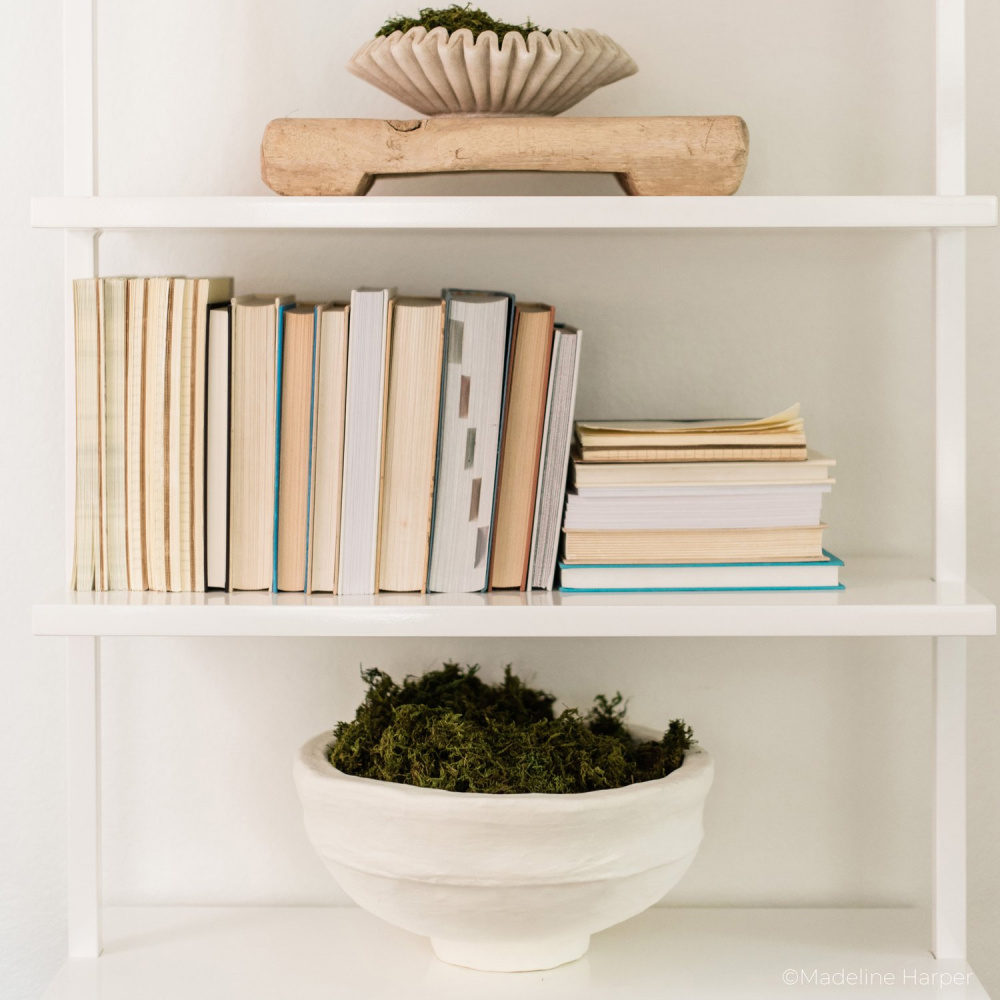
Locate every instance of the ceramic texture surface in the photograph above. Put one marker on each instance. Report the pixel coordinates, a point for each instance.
(503, 882)
(438, 73)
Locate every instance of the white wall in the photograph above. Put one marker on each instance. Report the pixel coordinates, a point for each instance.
(822, 746)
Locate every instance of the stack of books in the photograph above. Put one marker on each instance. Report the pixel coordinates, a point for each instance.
(383, 444)
(697, 505)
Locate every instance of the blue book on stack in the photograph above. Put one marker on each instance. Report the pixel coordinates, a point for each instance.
(820, 574)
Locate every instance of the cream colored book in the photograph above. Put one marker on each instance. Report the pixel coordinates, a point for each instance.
(158, 325)
(715, 545)
(595, 475)
(294, 446)
(135, 359)
(252, 440)
(413, 392)
(782, 429)
(207, 292)
(217, 450)
(750, 453)
(87, 534)
(179, 387)
(531, 356)
(328, 445)
(114, 314)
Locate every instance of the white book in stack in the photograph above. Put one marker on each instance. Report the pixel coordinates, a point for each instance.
(677, 507)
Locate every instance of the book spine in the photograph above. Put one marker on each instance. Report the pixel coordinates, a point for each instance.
(446, 296)
(505, 394)
(279, 379)
(554, 551)
(312, 433)
(433, 482)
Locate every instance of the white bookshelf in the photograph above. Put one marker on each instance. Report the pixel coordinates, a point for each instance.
(699, 954)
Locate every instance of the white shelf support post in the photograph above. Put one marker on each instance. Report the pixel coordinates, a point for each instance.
(83, 724)
(949, 850)
(83, 778)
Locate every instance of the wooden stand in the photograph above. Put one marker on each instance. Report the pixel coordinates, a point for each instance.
(649, 156)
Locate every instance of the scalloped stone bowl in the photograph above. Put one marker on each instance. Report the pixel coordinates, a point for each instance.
(441, 73)
(503, 883)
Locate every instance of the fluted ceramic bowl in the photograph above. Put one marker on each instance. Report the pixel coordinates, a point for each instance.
(503, 882)
(441, 73)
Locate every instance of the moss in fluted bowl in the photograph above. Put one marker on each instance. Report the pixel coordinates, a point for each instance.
(455, 17)
(449, 729)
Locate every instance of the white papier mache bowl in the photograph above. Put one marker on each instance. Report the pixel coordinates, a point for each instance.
(441, 73)
(503, 882)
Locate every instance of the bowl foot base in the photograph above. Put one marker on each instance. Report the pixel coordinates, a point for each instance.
(512, 956)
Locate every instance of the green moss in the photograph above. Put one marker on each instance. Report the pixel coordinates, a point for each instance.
(449, 729)
(454, 17)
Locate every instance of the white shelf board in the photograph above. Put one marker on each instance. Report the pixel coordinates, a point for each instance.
(886, 597)
(690, 954)
(569, 212)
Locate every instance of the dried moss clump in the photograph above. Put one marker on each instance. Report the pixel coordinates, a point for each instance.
(454, 17)
(449, 729)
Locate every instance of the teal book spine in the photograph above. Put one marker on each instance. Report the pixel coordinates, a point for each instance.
(279, 365)
(829, 560)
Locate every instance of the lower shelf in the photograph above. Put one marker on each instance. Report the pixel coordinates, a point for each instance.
(690, 954)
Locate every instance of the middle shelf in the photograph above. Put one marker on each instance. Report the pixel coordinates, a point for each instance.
(518, 212)
(883, 597)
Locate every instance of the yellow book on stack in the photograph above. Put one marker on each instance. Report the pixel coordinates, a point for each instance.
(780, 437)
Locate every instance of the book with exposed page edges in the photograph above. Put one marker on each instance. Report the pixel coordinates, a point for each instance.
(113, 297)
(412, 398)
(597, 475)
(363, 419)
(209, 294)
(217, 458)
(521, 444)
(730, 505)
(785, 428)
(755, 453)
(87, 568)
(821, 574)
(253, 434)
(135, 359)
(711, 545)
(329, 401)
(156, 440)
(554, 460)
(293, 461)
(474, 377)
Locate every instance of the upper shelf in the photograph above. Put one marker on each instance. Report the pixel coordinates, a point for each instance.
(568, 212)
(883, 597)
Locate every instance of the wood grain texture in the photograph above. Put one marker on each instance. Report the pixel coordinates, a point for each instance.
(649, 156)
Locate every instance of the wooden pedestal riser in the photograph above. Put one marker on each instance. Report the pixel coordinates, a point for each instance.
(649, 156)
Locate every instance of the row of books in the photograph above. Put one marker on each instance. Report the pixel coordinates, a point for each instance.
(382, 444)
(697, 505)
